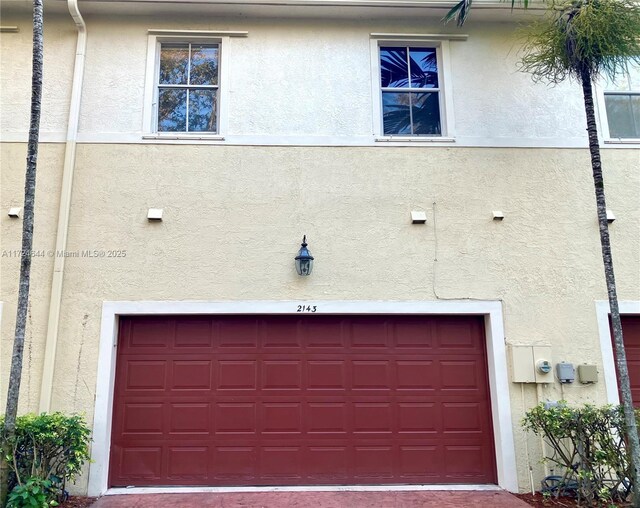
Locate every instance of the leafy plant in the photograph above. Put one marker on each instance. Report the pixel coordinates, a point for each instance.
(46, 452)
(35, 493)
(588, 445)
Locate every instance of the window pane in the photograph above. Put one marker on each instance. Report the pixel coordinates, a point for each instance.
(172, 110)
(204, 65)
(623, 114)
(424, 67)
(202, 110)
(395, 113)
(393, 67)
(425, 110)
(173, 64)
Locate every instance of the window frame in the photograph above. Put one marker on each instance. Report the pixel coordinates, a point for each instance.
(441, 45)
(601, 93)
(150, 106)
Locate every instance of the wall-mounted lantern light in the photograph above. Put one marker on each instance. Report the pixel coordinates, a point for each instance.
(304, 259)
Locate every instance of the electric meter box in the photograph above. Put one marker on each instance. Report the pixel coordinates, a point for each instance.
(530, 364)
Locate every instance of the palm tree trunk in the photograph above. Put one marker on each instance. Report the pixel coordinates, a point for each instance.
(27, 243)
(621, 358)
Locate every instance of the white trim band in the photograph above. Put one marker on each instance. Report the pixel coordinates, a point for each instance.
(199, 33)
(419, 37)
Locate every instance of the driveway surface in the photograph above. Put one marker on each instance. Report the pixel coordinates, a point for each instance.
(410, 499)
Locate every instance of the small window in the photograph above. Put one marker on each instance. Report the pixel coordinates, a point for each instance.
(188, 87)
(622, 104)
(411, 91)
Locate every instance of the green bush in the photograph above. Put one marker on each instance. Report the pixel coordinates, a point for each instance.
(48, 450)
(35, 493)
(588, 446)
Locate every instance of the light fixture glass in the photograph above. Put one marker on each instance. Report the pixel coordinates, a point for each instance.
(304, 259)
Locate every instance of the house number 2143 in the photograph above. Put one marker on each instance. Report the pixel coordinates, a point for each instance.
(306, 308)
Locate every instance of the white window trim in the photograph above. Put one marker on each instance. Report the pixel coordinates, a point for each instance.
(156, 37)
(629, 307)
(443, 53)
(601, 107)
(495, 343)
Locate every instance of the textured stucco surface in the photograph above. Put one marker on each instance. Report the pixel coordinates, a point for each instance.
(234, 217)
(288, 78)
(15, 78)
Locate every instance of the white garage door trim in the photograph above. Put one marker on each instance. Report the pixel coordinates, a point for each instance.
(496, 357)
(606, 345)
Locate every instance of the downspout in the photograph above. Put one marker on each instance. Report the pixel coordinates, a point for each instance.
(55, 301)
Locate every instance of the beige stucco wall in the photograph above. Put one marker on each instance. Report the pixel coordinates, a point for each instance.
(234, 217)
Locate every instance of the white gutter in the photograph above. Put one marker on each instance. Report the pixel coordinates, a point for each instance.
(48, 368)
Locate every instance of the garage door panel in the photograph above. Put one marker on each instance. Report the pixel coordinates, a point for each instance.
(141, 462)
(145, 375)
(190, 418)
(236, 418)
(419, 461)
(462, 418)
(413, 333)
(188, 463)
(453, 333)
(195, 333)
(237, 375)
(418, 418)
(326, 375)
(326, 334)
(281, 462)
(326, 418)
(143, 418)
(281, 418)
(372, 418)
(417, 375)
(237, 333)
(264, 400)
(371, 375)
(191, 375)
(281, 375)
(373, 462)
(369, 334)
(150, 333)
(328, 462)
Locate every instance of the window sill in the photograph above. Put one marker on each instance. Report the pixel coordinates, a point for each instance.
(622, 141)
(414, 139)
(188, 137)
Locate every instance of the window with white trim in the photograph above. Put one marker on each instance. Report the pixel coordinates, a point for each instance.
(622, 104)
(410, 88)
(187, 87)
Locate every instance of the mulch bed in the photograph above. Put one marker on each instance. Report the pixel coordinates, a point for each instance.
(78, 502)
(539, 501)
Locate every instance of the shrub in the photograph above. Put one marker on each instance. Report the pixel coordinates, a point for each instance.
(35, 493)
(587, 444)
(48, 450)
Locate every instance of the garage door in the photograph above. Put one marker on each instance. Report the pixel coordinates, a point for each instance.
(631, 333)
(301, 400)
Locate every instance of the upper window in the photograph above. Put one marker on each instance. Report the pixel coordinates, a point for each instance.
(411, 93)
(188, 88)
(622, 104)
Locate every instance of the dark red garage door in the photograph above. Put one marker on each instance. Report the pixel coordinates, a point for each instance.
(301, 400)
(631, 333)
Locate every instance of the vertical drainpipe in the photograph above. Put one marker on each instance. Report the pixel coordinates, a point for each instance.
(55, 300)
